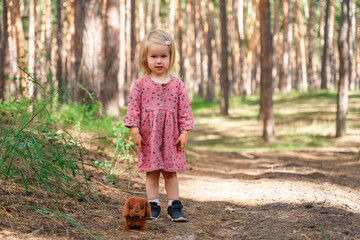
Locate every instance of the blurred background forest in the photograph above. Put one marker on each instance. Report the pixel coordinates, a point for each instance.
(87, 50)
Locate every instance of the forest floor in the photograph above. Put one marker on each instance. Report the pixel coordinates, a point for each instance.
(227, 192)
(307, 194)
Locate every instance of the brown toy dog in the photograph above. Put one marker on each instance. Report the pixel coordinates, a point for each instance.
(135, 212)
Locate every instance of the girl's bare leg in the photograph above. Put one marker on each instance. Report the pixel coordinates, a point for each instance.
(171, 185)
(152, 185)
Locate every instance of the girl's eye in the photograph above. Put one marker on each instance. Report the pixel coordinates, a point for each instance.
(164, 56)
(142, 207)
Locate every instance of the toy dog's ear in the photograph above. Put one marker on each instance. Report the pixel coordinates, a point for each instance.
(148, 209)
(126, 208)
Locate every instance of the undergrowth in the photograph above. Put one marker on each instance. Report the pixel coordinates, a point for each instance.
(38, 153)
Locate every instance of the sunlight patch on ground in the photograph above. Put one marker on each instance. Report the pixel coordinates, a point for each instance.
(269, 191)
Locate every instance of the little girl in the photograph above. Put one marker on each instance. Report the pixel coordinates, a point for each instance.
(160, 117)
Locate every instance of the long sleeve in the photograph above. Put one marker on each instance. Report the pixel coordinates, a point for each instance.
(185, 115)
(133, 113)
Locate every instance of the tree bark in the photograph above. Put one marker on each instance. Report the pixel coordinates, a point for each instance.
(156, 14)
(252, 53)
(59, 39)
(196, 47)
(210, 47)
(224, 78)
(275, 74)
(352, 36)
(4, 53)
(91, 72)
(20, 40)
(266, 68)
(357, 58)
(324, 54)
(180, 25)
(171, 18)
(285, 84)
(31, 46)
(344, 52)
(331, 66)
(77, 48)
(301, 77)
(240, 25)
(122, 57)
(310, 67)
(48, 41)
(109, 90)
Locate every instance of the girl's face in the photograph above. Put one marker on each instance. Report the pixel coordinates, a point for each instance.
(158, 59)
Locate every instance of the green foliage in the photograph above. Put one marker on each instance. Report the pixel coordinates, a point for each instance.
(46, 159)
(36, 155)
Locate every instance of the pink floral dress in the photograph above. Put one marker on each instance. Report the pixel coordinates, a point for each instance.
(160, 111)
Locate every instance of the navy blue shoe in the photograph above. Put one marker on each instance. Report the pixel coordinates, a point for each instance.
(155, 210)
(174, 212)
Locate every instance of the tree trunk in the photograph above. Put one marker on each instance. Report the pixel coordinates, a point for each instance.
(4, 53)
(301, 77)
(203, 49)
(156, 14)
(180, 26)
(275, 43)
(253, 39)
(210, 48)
(109, 90)
(31, 50)
(142, 11)
(352, 36)
(77, 49)
(357, 58)
(91, 72)
(266, 68)
(20, 40)
(285, 84)
(331, 66)
(310, 67)
(171, 20)
(224, 78)
(240, 25)
(189, 60)
(48, 41)
(59, 39)
(197, 59)
(70, 57)
(344, 52)
(324, 54)
(122, 65)
(149, 10)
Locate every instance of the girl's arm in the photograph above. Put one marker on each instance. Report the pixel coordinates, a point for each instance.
(137, 138)
(185, 115)
(133, 113)
(182, 139)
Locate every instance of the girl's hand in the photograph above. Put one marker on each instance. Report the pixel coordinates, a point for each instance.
(137, 138)
(181, 141)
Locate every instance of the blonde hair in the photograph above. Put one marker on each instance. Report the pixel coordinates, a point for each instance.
(155, 36)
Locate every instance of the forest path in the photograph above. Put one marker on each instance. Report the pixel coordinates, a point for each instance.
(307, 194)
(329, 174)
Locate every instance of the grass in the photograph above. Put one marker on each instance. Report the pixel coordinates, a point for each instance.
(302, 120)
(41, 153)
